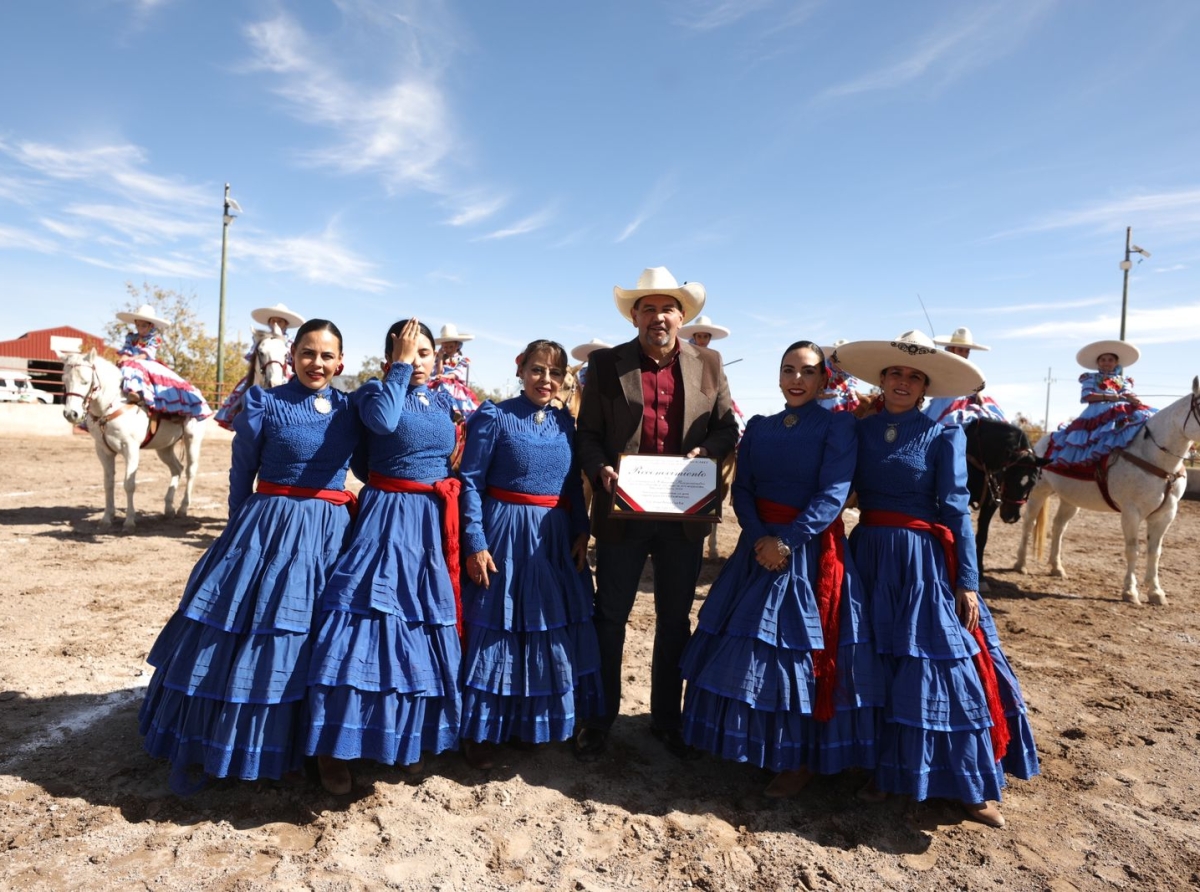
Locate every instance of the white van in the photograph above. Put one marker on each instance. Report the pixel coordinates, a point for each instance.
(15, 387)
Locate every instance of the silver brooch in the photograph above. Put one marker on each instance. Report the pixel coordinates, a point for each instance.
(422, 399)
(322, 405)
(789, 420)
(539, 416)
(890, 435)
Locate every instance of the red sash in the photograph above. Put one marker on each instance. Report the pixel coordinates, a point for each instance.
(524, 498)
(333, 496)
(831, 570)
(983, 660)
(447, 490)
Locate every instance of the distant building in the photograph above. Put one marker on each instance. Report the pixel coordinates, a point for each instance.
(41, 353)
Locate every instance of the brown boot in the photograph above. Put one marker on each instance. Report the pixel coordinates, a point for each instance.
(787, 784)
(984, 813)
(335, 775)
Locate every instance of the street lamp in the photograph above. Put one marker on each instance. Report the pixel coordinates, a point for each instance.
(231, 207)
(1125, 266)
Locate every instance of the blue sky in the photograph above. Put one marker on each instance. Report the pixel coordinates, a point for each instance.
(501, 165)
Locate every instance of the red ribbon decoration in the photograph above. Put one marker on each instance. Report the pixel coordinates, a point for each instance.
(333, 496)
(831, 570)
(983, 660)
(447, 490)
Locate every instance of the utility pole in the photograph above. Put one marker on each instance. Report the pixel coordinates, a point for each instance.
(231, 207)
(1046, 419)
(1125, 265)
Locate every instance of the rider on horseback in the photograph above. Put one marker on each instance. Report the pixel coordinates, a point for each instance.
(278, 320)
(1113, 413)
(962, 410)
(146, 380)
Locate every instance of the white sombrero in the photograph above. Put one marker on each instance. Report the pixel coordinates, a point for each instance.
(658, 280)
(961, 338)
(146, 314)
(1126, 353)
(264, 315)
(450, 332)
(583, 351)
(949, 375)
(704, 324)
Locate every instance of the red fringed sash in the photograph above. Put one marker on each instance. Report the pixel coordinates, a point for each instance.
(333, 496)
(831, 570)
(447, 490)
(524, 498)
(983, 660)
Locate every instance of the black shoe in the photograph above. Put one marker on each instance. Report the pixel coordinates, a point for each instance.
(590, 744)
(676, 745)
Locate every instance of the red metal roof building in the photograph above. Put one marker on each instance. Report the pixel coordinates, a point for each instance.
(41, 353)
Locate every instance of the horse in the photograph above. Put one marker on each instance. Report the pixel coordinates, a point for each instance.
(1145, 482)
(1002, 470)
(92, 390)
(268, 366)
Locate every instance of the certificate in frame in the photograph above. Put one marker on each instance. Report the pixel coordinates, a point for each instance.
(667, 487)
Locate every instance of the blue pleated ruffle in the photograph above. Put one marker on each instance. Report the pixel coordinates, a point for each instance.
(751, 689)
(386, 657)
(936, 738)
(231, 664)
(531, 659)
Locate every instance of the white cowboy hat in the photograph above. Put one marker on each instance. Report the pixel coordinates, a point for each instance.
(948, 375)
(583, 351)
(704, 324)
(264, 315)
(960, 338)
(1126, 353)
(658, 280)
(828, 351)
(450, 332)
(145, 313)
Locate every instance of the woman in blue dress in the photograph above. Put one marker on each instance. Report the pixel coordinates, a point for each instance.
(1113, 414)
(384, 676)
(231, 666)
(955, 720)
(531, 661)
(780, 670)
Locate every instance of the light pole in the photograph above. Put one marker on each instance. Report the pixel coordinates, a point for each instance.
(1125, 267)
(1046, 418)
(231, 207)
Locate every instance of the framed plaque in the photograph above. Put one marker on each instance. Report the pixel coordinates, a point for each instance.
(667, 487)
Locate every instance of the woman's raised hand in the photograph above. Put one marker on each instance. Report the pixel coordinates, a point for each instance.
(404, 345)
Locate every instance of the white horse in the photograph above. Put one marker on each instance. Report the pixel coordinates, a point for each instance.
(1146, 480)
(92, 389)
(268, 366)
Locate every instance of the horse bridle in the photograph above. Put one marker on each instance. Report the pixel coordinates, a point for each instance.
(1193, 412)
(86, 399)
(992, 477)
(263, 366)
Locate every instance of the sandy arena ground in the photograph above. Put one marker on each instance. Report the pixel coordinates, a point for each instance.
(1114, 692)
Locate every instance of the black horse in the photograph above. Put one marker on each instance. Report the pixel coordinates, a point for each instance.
(1001, 472)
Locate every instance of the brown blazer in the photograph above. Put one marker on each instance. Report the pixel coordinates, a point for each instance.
(610, 419)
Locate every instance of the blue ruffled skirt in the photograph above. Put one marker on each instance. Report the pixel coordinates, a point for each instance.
(384, 673)
(531, 661)
(751, 687)
(231, 665)
(936, 739)
(1099, 429)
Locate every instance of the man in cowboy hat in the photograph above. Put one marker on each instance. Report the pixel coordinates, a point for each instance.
(964, 408)
(654, 394)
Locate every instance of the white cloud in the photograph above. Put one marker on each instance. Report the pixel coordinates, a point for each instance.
(66, 230)
(659, 195)
(18, 239)
(400, 130)
(1165, 210)
(709, 15)
(974, 39)
(1158, 325)
(322, 259)
(144, 226)
(1044, 306)
(1171, 269)
(475, 210)
(522, 227)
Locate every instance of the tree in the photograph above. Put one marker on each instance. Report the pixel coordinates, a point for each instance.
(188, 348)
(371, 368)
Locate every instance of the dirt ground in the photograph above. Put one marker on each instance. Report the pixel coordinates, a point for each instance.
(1114, 693)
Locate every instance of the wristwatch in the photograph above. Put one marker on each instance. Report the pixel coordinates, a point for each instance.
(784, 549)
